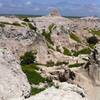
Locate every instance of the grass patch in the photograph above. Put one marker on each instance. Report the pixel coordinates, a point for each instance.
(66, 51)
(2, 25)
(95, 32)
(75, 37)
(6, 23)
(58, 63)
(82, 51)
(51, 28)
(47, 36)
(24, 23)
(75, 65)
(61, 63)
(16, 24)
(50, 47)
(35, 91)
(50, 63)
(33, 76)
(32, 27)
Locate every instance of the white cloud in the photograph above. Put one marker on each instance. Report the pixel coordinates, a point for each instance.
(36, 9)
(50, 8)
(1, 4)
(28, 3)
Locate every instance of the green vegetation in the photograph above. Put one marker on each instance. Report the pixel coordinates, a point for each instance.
(33, 76)
(16, 24)
(58, 63)
(92, 40)
(50, 63)
(47, 36)
(66, 51)
(32, 27)
(75, 37)
(58, 49)
(2, 25)
(30, 68)
(26, 19)
(28, 58)
(6, 23)
(36, 90)
(82, 51)
(51, 28)
(24, 23)
(50, 46)
(95, 32)
(75, 65)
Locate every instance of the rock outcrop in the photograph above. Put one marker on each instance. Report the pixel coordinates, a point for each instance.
(63, 91)
(13, 82)
(54, 13)
(93, 65)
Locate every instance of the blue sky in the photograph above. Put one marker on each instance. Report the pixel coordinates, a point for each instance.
(66, 7)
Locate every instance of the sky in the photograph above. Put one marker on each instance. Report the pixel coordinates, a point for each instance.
(43, 7)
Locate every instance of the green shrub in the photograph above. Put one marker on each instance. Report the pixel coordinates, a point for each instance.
(75, 53)
(32, 27)
(61, 63)
(66, 51)
(75, 65)
(85, 51)
(51, 28)
(26, 19)
(16, 24)
(92, 40)
(58, 49)
(24, 23)
(2, 25)
(50, 46)
(75, 37)
(28, 58)
(82, 51)
(50, 63)
(7, 23)
(47, 36)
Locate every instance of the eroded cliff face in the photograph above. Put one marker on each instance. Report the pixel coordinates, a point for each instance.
(93, 65)
(13, 82)
(92, 69)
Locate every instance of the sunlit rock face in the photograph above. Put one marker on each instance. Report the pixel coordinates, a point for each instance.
(64, 91)
(13, 82)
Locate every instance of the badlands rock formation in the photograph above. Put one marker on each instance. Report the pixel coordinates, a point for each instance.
(54, 13)
(63, 91)
(13, 82)
(16, 39)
